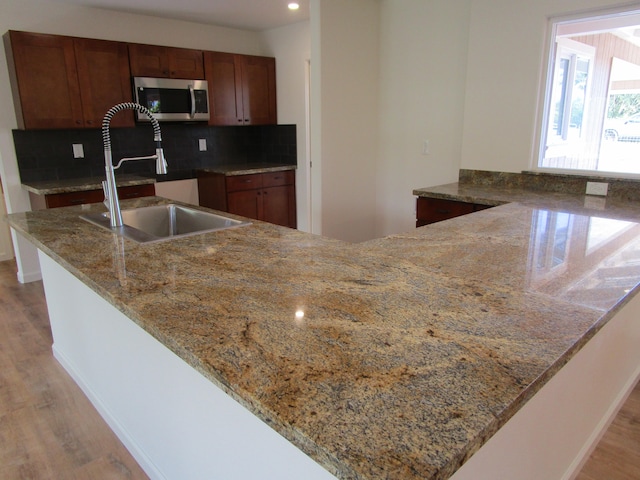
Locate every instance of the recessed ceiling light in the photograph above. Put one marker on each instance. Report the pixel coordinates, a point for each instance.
(294, 6)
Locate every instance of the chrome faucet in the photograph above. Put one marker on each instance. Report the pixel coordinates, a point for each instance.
(109, 185)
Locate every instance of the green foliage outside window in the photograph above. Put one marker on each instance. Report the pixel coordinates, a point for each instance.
(623, 105)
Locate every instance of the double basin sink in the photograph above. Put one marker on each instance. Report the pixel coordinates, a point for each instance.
(164, 222)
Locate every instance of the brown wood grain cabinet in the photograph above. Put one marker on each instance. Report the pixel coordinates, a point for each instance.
(270, 197)
(432, 210)
(103, 72)
(67, 199)
(66, 82)
(242, 89)
(165, 62)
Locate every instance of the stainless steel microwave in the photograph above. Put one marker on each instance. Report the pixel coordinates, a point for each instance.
(172, 99)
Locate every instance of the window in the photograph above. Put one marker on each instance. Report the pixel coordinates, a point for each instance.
(592, 103)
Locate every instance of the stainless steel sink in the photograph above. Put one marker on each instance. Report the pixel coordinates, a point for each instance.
(164, 222)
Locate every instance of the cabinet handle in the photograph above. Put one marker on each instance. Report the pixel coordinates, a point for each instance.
(246, 120)
(240, 120)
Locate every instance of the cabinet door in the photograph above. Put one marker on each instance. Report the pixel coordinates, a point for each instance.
(225, 89)
(185, 63)
(44, 80)
(148, 60)
(103, 73)
(258, 90)
(276, 205)
(165, 62)
(431, 210)
(212, 191)
(245, 203)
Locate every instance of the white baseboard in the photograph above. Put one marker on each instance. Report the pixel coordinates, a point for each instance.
(121, 432)
(592, 442)
(29, 277)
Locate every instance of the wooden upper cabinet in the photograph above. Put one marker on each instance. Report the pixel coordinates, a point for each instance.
(258, 89)
(103, 72)
(66, 82)
(165, 62)
(225, 88)
(242, 89)
(45, 85)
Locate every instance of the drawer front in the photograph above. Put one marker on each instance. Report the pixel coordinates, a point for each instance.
(135, 191)
(73, 198)
(276, 179)
(244, 182)
(97, 196)
(430, 210)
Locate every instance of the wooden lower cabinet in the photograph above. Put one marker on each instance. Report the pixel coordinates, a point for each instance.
(39, 202)
(432, 210)
(270, 197)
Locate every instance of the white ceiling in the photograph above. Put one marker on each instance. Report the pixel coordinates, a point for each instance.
(243, 14)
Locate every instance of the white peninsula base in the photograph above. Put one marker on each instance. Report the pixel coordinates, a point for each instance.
(179, 425)
(176, 423)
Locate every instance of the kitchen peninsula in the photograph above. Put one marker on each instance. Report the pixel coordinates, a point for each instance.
(395, 358)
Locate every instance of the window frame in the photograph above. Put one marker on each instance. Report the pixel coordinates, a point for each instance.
(546, 85)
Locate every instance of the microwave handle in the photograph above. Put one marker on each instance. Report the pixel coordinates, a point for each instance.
(193, 101)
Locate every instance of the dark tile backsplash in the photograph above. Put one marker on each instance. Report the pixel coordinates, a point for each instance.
(48, 154)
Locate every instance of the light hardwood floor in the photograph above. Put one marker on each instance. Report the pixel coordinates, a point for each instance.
(617, 456)
(49, 430)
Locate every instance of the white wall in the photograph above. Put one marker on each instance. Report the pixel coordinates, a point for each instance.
(507, 54)
(291, 45)
(344, 115)
(423, 58)
(57, 18)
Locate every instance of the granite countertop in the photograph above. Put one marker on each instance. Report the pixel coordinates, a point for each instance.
(612, 207)
(231, 170)
(49, 187)
(413, 349)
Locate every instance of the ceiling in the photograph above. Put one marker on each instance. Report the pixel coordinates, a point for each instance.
(243, 14)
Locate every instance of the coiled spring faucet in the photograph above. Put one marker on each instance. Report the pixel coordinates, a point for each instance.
(109, 185)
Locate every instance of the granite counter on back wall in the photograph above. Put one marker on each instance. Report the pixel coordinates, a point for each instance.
(50, 187)
(413, 350)
(554, 191)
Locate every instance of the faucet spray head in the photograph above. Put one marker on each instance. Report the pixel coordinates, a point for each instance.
(161, 162)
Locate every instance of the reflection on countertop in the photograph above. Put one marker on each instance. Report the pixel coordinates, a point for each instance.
(586, 260)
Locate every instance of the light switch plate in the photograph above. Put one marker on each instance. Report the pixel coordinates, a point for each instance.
(597, 188)
(78, 150)
(202, 144)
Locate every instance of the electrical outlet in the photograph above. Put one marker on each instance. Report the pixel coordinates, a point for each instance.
(202, 144)
(78, 150)
(597, 188)
(425, 147)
